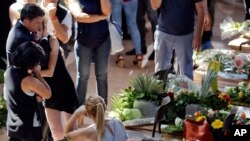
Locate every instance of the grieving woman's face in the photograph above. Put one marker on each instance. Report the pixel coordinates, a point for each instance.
(38, 34)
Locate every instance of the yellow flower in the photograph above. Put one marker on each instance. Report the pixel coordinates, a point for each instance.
(200, 118)
(217, 124)
(241, 94)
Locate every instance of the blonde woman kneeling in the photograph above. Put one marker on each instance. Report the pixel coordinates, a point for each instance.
(103, 129)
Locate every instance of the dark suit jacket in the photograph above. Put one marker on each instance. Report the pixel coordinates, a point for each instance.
(17, 35)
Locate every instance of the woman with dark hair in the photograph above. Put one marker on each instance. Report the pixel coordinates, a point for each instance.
(23, 88)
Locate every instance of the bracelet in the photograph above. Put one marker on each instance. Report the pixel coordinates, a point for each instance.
(206, 12)
(54, 18)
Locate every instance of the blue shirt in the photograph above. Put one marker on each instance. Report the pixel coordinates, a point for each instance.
(177, 16)
(92, 34)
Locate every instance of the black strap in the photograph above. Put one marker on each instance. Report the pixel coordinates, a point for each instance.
(243, 43)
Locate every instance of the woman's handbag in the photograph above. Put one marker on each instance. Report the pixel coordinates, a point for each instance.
(194, 131)
(115, 36)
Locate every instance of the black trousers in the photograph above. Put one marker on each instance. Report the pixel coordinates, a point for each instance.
(35, 136)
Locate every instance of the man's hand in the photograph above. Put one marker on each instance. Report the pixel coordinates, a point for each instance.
(196, 43)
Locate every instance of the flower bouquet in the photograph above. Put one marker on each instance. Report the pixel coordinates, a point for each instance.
(229, 28)
(240, 94)
(233, 65)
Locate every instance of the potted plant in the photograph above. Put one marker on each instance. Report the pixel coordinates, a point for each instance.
(136, 100)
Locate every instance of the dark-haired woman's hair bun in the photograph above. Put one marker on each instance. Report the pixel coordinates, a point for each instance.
(27, 55)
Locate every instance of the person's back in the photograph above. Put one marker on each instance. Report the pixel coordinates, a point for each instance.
(103, 129)
(114, 131)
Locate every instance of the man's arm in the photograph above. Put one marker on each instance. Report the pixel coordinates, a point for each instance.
(199, 24)
(155, 4)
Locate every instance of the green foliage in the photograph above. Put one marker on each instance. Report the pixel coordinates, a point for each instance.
(240, 93)
(207, 83)
(182, 100)
(122, 101)
(213, 101)
(3, 111)
(1, 76)
(130, 114)
(147, 86)
(144, 87)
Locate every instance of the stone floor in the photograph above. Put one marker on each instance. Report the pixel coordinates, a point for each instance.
(118, 77)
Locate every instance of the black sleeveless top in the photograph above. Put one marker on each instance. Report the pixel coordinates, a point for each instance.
(21, 107)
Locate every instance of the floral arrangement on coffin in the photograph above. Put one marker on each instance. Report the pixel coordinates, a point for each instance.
(230, 28)
(208, 97)
(240, 94)
(144, 87)
(233, 65)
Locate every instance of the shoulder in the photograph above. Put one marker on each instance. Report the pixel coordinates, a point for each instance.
(15, 6)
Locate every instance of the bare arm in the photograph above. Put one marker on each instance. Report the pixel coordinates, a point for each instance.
(82, 17)
(37, 84)
(61, 30)
(53, 56)
(75, 119)
(106, 7)
(14, 15)
(80, 132)
(198, 25)
(155, 4)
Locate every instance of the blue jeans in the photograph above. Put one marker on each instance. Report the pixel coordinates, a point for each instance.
(84, 56)
(130, 9)
(164, 45)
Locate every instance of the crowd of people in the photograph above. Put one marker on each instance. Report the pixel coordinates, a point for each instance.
(37, 46)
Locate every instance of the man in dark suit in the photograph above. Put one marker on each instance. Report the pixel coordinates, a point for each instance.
(31, 20)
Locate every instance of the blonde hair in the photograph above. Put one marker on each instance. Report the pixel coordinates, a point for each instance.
(96, 107)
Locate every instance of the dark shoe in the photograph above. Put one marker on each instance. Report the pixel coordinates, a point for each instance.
(120, 61)
(138, 60)
(126, 37)
(152, 56)
(144, 50)
(131, 52)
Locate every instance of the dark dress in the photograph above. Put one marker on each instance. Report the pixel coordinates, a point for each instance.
(64, 97)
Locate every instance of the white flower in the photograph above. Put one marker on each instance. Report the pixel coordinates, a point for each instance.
(178, 121)
(210, 113)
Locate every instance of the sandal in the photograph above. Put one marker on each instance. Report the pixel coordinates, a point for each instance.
(138, 60)
(120, 60)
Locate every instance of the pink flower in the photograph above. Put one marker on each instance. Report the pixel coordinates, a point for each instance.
(239, 61)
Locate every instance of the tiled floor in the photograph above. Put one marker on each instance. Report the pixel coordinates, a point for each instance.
(118, 77)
